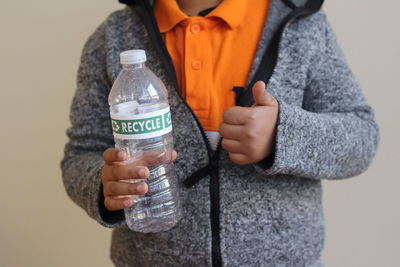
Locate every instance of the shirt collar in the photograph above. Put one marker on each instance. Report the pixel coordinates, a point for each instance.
(231, 11)
(168, 13)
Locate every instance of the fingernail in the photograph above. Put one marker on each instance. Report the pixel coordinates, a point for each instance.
(140, 187)
(121, 154)
(127, 203)
(142, 172)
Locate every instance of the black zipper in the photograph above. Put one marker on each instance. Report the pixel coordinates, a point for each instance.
(215, 208)
(264, 73)
(212, 168)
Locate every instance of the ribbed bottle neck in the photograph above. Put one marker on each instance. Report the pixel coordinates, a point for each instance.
(134, 66)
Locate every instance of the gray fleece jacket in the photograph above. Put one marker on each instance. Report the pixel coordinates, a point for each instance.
(265, 214)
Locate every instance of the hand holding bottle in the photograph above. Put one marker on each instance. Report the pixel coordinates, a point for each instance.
(117, 172)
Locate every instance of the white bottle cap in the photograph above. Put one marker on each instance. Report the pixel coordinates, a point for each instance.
(132, 56)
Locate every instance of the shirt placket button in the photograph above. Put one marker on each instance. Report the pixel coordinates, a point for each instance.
(195, 28)
(196, 65)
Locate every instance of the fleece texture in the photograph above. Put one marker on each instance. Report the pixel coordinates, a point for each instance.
(270, 215)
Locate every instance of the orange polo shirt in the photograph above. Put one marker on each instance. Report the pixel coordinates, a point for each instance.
(212, 54)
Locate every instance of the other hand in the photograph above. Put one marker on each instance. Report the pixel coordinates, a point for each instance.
(249, 132)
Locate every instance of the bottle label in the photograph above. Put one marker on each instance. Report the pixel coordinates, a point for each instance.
(142, 126)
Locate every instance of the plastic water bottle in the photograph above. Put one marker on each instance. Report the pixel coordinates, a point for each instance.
(142, 127)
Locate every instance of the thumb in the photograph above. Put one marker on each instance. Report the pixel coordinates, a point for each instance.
(261, 96)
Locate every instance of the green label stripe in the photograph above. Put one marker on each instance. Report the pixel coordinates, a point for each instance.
(142, 126)
(167, 119)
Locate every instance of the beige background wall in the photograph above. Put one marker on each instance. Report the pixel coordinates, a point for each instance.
(40, 44)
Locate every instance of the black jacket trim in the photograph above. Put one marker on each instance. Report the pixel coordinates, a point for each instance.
(268, 62)
(289, 4)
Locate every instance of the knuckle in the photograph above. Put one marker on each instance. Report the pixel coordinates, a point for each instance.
(112, 188)
(105, 189)
(114, 172)
(250, 133)
(132, 189)
(229, 113)
(108, 204)
(105, 153)
(252, 116)
(133, 172)
(226, 114)
(112, 204)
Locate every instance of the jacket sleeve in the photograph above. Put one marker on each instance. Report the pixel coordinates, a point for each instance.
(90, 134)
(333, 135)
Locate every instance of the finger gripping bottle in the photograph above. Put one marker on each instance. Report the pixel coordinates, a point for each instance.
(142, 127)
